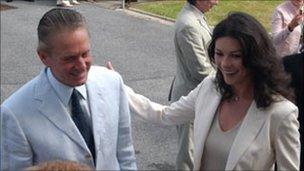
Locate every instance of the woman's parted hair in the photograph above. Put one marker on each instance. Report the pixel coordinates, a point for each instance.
(259, 56)
(55, 21)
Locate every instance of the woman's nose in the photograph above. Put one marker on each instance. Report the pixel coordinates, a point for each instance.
(226, 62)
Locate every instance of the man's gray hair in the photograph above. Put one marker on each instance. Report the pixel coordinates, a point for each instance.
(55, 21)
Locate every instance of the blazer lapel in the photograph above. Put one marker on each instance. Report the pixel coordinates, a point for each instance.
(204, 24)
(200, 17)
(250, 127)
(210, 100)
(98, 112)
(52, 108)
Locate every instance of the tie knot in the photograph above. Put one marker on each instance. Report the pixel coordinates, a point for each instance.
(76, 94)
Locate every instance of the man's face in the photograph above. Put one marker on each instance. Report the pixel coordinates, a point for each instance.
(69, 58)
(205, 5)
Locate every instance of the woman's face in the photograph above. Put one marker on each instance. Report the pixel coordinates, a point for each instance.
(229, 61)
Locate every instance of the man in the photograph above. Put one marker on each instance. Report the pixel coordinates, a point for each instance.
(70, 111)
(192, 34)
(293, 65)
(67, 3)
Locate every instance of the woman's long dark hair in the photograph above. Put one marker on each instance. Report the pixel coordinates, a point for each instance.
(259, 57)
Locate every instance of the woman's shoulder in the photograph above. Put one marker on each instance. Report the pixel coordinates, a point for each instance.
(208, 86)
(209, 80)
(282, 108)
(283, 7)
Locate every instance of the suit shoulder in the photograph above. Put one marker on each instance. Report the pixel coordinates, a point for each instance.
(186, 19)
(209, 80)
(103, 72)
(283, 108)
(282, 7)
(208, 84)
(186, 22)
(103, 76)
(24, 94)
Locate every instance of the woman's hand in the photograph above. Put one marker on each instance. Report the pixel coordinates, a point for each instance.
(295, 21)
(109, 65)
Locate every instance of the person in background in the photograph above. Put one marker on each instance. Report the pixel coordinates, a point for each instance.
(286, 27)
(191, 38)
(242, 117)
(71, 110)
(288, 38)
(67, 3)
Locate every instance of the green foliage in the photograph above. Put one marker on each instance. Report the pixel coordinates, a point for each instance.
(260, 9)
(168, 9)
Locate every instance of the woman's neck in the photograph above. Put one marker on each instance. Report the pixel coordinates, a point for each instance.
(243, 91)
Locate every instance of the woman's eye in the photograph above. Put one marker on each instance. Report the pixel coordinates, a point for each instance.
(218, 54)
(236, 55)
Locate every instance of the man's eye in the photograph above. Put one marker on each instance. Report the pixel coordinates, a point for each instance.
(68, 59)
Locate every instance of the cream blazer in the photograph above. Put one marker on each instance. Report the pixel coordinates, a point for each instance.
(265, 137)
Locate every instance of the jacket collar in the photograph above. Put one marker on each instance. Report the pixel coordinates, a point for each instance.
(248, 130)
(250, 127)
(54, 110)
(200, 16)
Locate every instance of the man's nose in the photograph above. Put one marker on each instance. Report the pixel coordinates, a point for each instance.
(80, 63)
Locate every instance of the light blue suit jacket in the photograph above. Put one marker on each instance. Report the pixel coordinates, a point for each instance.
(36, 127)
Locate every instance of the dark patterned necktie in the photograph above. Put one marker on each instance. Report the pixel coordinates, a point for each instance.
(82, 121)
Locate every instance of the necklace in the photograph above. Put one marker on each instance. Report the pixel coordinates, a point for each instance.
(236, 98)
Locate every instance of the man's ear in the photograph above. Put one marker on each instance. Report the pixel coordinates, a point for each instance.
(44, 57)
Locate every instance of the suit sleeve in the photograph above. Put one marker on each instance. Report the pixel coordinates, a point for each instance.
(287, 143)
(179, 112)
(194, 51)
(125, 149)
(16, 153)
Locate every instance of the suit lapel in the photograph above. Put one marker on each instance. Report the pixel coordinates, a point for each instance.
(204, 24)
(205, 111)
(250, 127)
(98, 111)
(199, 16)
(52, 108)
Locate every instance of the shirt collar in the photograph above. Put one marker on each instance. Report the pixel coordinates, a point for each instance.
(199, 13)
(63, 91)
(82, 90)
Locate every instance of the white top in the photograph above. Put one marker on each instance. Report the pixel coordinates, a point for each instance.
(217, 146)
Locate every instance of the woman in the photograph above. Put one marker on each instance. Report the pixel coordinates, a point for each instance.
(242, 118)
(286, 26)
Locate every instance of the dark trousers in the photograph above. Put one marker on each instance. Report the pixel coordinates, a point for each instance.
(294, 64)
